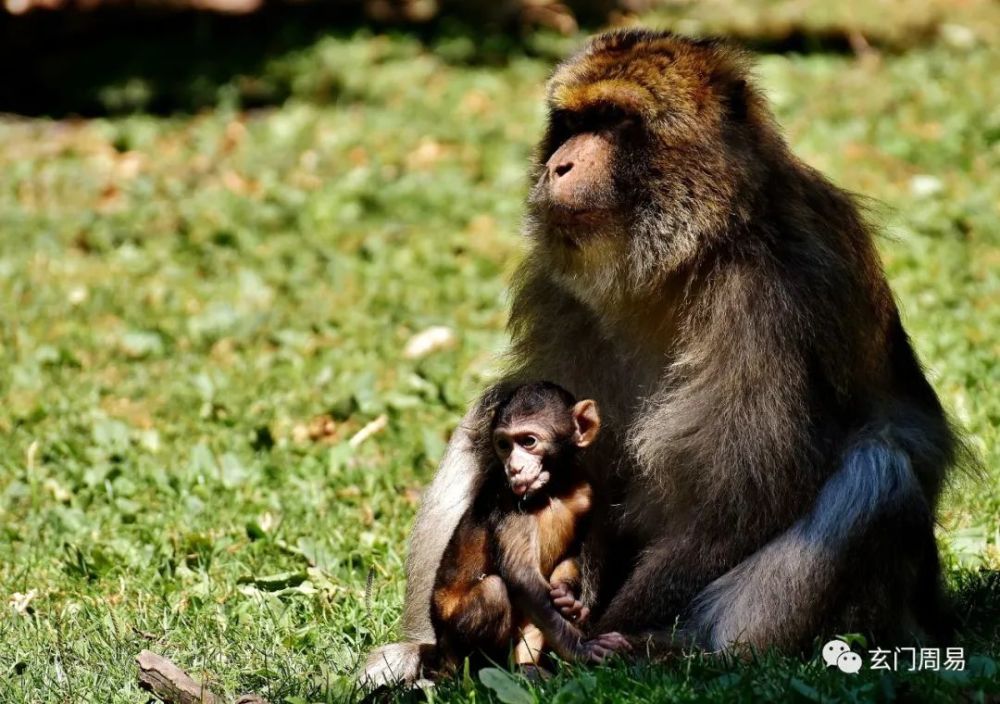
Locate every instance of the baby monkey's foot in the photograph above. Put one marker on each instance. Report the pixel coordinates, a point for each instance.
(569, 606)
(603, 646)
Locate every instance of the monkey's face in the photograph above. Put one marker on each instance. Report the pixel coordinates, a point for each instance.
(537, 448)
(580, 203)
(523, 449)
(646, 156)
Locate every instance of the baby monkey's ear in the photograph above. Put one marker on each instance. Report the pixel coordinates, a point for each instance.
(586, 422)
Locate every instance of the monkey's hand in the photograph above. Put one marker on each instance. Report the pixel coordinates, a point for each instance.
(571, 608)
(603, 646)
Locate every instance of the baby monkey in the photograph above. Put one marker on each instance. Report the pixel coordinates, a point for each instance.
(510, 571)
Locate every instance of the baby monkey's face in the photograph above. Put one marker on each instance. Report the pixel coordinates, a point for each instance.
(534, 448)
(524, 448)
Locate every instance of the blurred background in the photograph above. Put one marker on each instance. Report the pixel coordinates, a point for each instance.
(253, 262)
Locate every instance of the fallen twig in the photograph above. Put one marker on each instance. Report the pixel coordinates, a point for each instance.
(171, 685)
(376, 426)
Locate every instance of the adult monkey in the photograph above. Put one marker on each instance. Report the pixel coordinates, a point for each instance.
(772, 449)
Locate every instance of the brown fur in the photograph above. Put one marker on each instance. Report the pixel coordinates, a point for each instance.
(772, 453)
(744, 297)
(492, 587)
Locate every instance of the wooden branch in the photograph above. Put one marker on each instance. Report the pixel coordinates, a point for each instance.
(171, 685)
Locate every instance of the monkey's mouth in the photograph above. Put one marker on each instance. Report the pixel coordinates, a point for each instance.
(561, 217)
(554, 214)
(572, 228)
(526, 488)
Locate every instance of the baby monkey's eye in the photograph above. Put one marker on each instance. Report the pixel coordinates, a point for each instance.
(503, 444)
(528, 441)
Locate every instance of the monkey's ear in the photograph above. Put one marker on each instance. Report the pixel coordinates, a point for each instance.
(586, 422)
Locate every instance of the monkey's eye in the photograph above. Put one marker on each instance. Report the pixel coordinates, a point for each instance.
(627, 122)
(503, 444)
(528, 441)
(567, 123)
(611, 117)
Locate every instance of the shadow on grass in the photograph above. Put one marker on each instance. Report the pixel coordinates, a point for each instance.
(127, 60)
(117, 60)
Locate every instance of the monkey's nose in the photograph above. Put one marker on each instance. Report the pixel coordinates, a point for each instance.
(561, 169)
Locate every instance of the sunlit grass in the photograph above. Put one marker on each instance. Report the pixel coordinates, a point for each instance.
(199, 311)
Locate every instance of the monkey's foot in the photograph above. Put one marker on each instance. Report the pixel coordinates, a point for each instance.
(569, 606)
(395, 663)
(604, 646)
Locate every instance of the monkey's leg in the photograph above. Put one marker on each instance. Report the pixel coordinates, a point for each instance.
(481, 615)
(858, 551)
(853, 558)
(667, 576)
(529, 646)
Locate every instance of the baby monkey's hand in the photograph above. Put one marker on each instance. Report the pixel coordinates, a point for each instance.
(598, 649)
(569, 606)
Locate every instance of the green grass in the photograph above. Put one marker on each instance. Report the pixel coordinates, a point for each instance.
(182, 296)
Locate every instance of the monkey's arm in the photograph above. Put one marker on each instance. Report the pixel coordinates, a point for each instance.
(732, 433)
(668, 575)
(567, 572)
(517, 558)
(443, 504)
(564, 588)
(529, 591)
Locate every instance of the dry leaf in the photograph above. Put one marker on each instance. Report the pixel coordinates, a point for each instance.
(428, 341)
(20, 602)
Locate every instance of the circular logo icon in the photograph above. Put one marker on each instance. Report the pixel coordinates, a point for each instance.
(839, 654)
(850, 663)
(833, 650)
